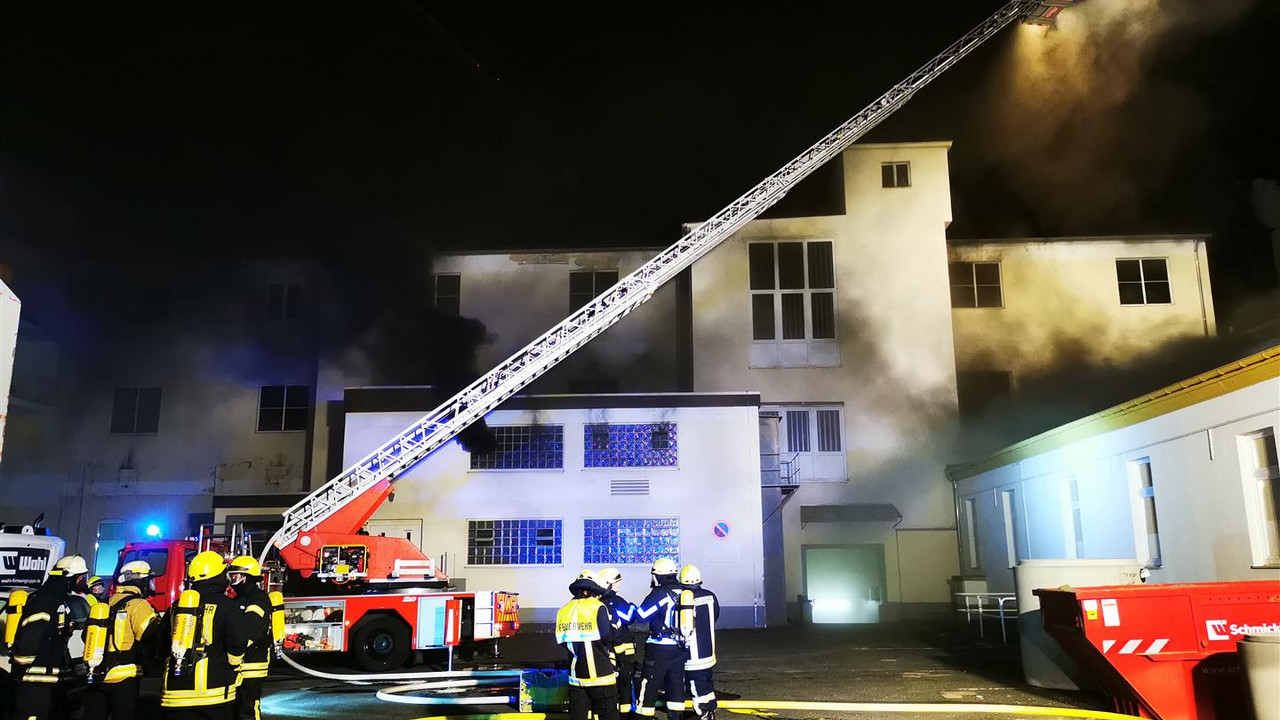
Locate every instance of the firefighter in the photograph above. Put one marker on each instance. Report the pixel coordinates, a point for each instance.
(621, 614)
(97, 590)
(39, 652)
(664, 651)
(699, 611)
(246, 578)
(209, 641)
(130, 625)
(585, 628)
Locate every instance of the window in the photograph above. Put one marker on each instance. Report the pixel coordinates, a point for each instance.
(793, 304)
(587, 285)
(812, 440)
(135, 411)
(1258, 459)
(112, 536)
(630, 541)
(157, 558)
(1077, 516)
(631, 445)
(1010, 527)
(979, 390)
(524, 447)
(1144, 281)
(895, 174)
(283, 408)
(975, 285)
(513, 542)
(284, 302)
(1140, 471)
(448, 293)
(971, 531)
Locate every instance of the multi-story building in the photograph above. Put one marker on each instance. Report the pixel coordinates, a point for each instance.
(849, 327)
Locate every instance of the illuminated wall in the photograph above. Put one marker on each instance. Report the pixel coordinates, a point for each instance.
(531, 530)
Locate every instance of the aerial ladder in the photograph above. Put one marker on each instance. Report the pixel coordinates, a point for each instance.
(319, 534)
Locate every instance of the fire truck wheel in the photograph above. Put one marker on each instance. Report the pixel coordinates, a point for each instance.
(381, 643)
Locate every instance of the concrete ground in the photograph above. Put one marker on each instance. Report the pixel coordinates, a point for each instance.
(903, 662)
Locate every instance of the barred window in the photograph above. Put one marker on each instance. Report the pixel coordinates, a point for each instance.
(630, 541)
(524, 447)
(631, 445)
(513, 542)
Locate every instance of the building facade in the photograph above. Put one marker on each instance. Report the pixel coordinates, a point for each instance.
(1184, 479)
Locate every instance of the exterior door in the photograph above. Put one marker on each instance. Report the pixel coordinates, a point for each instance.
(844, 583)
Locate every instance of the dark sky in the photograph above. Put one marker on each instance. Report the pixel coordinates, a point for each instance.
(160, 129)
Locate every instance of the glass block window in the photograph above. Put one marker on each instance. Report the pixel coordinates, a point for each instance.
(630, 541)
(513, 542)
(634, 445)
(524, 447)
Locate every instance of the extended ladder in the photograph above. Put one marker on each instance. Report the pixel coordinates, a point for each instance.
(539, 356)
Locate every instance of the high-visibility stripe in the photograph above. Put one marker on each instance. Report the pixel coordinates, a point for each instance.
(1130, 646)
(255, 665)
(625, 648)
(193, 698)
(253, 674)
(48, 679)
(701, 663)
(624, 707)
(37, 617)
(202, 674)
(121, 672)
(24, 659)
(235, 660)
(610, 679)
(256, 610)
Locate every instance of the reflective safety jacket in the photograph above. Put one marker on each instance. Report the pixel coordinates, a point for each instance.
(131, 617)
(210, 670)
(584, 627)
(659, 610)
(621, 614)
(40, 647)
(255, 603)
(701, 637)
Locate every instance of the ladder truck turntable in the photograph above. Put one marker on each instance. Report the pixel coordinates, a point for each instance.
(388, 596)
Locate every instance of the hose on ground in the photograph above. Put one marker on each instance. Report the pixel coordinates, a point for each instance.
(371, 678)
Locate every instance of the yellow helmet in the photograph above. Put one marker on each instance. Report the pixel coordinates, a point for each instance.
(664, 566)
(95, 580)
(69, 566)
(135, 570)
(608, 576)
(245, 564)
(206, 565)
(585, 575)
(690, 575)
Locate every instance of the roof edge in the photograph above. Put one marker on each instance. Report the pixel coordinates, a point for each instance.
(1233, 376)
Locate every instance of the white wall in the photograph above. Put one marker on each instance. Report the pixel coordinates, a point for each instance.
(717, 480)
(1199, 493)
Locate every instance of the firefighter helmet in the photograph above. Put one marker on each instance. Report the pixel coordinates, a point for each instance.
(608, 576)
(70, 566)
(690, 575)
(585, 574)
(207, 564)
(245, 564)
(664, 566)
(135, 570)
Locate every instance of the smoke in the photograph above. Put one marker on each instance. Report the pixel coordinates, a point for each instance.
(1103, 111)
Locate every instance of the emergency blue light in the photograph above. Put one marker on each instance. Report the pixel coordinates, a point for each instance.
(153, 530)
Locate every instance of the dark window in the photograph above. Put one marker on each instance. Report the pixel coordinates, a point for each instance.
(824, 316)
(828, 430)
(588, 285)
(762, 322)
(523, 447)
(284, 302)
(1144, 281)
(448, 294)
(791, 266)
(283, 408)
(761, 259)
(798, 430)
(660, 438)
(793, 316)
(975, 285)
(135, 411)
(513, 542)
(805, 273)
(895, 174)
(822, 274)
(979, 390)
(155, 298)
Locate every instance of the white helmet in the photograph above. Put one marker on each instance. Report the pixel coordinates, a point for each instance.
(608, 576)
(70, 566)
(664, 566)
(135, 570)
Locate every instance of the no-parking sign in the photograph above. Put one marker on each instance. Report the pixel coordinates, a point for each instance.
(721, 529)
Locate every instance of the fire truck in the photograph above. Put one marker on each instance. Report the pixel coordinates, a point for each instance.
(382, 596)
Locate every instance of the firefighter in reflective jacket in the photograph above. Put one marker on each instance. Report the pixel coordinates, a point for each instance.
(208, 645)
(118, 630)
(39, 650)
(699, 611)
(246, 575)
(621, 615)
(585, 628)
(664, 651)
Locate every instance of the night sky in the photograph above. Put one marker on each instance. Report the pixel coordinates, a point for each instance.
(152, 131)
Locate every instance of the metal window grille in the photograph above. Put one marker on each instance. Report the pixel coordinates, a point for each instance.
(631, 445)
(283, 408)
(1144, 281)
(828, 430)
(514, 542)
(798, 430)
(630, 541)
(523, 447)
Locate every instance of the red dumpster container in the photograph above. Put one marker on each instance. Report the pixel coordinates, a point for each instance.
(1164, 651)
